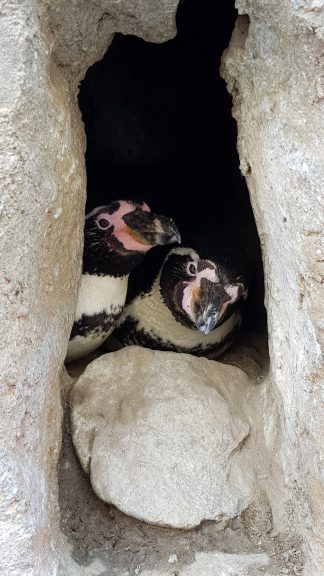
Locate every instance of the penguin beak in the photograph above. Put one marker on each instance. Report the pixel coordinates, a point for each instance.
(206, 320)
(208, 305)
(151, 229)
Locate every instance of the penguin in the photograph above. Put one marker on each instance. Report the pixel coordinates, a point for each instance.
(191, 300)
(116, 238)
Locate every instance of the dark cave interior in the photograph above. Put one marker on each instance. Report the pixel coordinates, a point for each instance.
(159, 127)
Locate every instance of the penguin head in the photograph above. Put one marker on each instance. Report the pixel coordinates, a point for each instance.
(128, 226)
(122, 232)
(197, 291)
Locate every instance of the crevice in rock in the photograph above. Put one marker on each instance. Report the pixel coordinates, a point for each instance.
(272, 69)
(159, 126)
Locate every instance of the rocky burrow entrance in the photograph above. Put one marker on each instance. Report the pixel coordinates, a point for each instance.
(273, 70)
(158, 126)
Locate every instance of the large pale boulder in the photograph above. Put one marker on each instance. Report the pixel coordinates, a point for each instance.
(159, 433)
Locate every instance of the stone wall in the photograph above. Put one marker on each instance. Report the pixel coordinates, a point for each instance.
(46, 48)
(274, 70)
(42, 194)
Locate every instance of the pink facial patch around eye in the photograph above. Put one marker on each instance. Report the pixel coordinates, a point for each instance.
(125, 207)
(233, 291)
(121, 230)
(129, 242)
(115, 219)
(193, 286)
(145, 207)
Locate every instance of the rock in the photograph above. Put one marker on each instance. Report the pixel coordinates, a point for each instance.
(159, 435)
(173, 559)
(275, 76)
(218, 563)
(46, 48)
(280, 144)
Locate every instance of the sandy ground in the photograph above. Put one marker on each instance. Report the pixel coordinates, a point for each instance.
(110, 543)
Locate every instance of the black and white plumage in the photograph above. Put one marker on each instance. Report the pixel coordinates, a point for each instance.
(116, 238)
(190, 303)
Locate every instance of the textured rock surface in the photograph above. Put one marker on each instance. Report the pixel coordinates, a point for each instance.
(125, 546)
(77, 24)
(42, 206)
(41, 181)
(220, 564)
(159, 434)
(274, 70)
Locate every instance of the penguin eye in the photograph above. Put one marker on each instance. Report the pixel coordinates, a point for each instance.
(103, 223)
(191, 269)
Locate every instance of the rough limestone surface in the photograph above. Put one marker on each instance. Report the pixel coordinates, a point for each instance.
(274, 69)
(83, 30)
(42, 180)
(42, 195)
(217, 563)
(159, 433)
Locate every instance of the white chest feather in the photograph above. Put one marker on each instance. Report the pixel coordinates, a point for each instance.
(80, 346)
(100, 293)
(155, 318)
